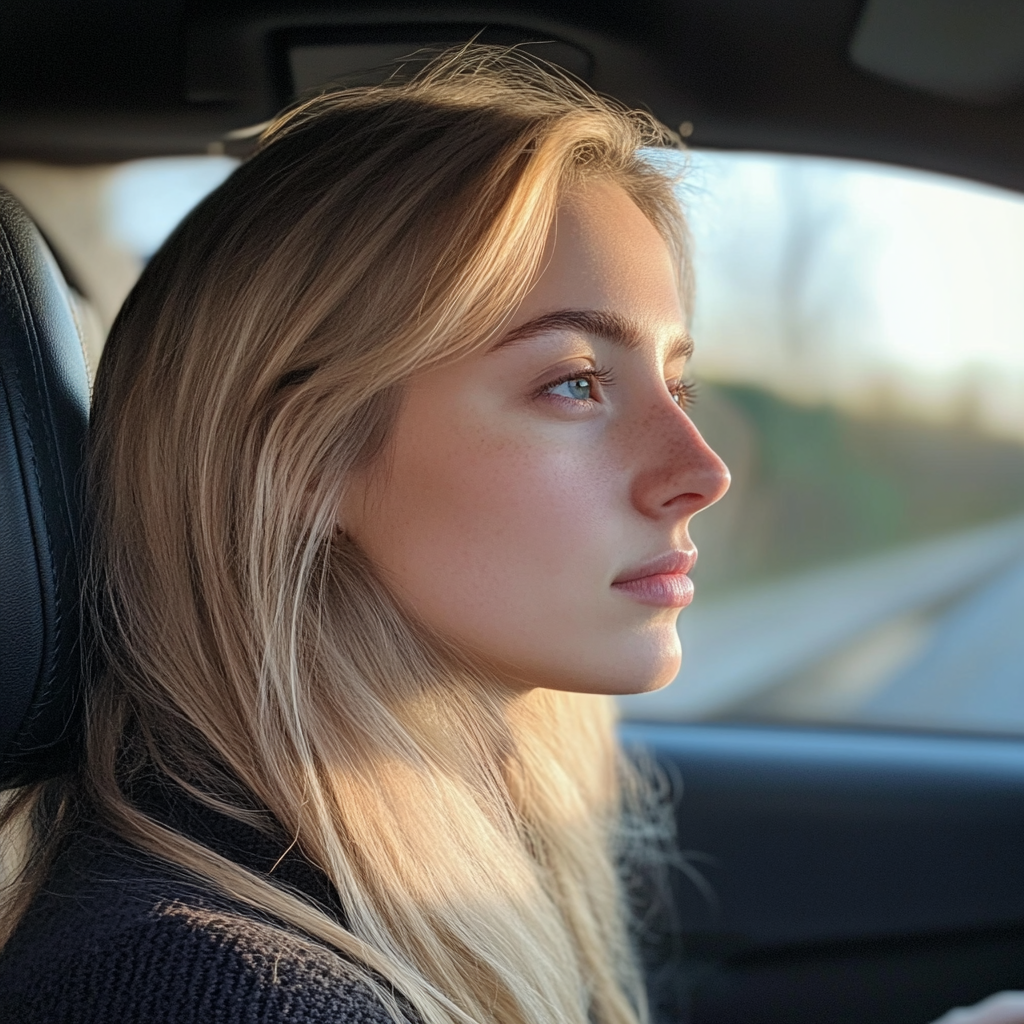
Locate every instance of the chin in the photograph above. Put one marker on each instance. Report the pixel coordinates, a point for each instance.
(632, 677)
(655, 681)
(634, 662)
(651, 666)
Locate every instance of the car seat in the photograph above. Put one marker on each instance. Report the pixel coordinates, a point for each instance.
(44, 410)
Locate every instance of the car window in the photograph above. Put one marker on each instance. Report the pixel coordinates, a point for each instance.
(105, 221)
(860, 360)
(860, 363)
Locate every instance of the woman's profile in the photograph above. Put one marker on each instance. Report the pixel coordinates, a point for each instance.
(390, 480)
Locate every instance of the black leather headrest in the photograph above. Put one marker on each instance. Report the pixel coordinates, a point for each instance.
(44, 411)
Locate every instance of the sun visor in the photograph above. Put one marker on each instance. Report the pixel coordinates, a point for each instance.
(969, 51)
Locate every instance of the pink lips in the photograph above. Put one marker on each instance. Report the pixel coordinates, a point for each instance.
(662, 582)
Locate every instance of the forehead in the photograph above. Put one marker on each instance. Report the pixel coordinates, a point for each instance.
(604, 255)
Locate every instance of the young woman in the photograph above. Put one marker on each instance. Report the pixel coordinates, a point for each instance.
(391, 476)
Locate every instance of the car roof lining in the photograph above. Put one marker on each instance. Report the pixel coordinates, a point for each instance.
(99, 80)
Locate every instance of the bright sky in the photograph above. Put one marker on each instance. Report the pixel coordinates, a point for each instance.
(149, 197)
(949, 273)
(912, 279)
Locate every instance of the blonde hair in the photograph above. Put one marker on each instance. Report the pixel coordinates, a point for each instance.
(251, 653)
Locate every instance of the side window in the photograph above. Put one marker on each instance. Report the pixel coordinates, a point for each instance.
(105, 221)
(860, 359)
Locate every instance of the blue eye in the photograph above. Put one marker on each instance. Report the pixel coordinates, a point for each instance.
(586, 386)
(578, 388)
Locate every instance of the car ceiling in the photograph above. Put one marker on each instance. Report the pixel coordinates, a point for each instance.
(94, 80)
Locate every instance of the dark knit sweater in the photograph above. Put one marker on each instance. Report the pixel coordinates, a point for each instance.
(116, 937)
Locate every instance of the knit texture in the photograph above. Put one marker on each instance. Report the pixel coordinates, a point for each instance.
(117, 937)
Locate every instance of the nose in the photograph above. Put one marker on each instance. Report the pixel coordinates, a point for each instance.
(680, 474)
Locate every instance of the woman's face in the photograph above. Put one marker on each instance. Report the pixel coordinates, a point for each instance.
(535, 502)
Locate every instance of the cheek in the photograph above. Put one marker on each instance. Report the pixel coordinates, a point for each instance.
(507, 541)
(482, 526)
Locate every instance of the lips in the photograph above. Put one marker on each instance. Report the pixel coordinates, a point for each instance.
(672, 563)
(662, 582)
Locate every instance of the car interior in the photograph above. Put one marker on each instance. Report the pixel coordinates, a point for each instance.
(861, 865)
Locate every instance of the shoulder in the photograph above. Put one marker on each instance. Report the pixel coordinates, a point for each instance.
(146, 948)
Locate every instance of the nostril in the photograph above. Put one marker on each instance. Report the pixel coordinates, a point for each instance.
(687, 500)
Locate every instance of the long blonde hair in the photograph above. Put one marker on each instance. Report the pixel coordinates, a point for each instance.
(251, 654)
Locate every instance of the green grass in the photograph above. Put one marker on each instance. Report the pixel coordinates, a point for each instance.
(815, 485)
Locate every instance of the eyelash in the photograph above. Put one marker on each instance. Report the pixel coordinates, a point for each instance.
(685, 391)
(603, 377)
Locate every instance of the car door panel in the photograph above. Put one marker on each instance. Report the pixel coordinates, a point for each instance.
(858, 876)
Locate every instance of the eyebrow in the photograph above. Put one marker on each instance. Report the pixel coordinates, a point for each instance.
(620, 330)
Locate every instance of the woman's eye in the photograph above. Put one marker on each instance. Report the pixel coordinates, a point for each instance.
(579, 388)
(587, 386)
(684, 393)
